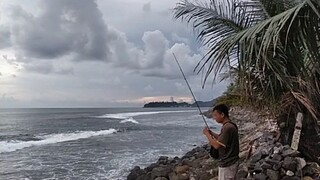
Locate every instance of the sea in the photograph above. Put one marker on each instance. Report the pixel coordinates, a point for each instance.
(93, 143)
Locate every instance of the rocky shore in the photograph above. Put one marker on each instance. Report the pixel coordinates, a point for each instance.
(261, 156)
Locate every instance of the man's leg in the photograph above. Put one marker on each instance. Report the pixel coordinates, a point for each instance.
(228, 173)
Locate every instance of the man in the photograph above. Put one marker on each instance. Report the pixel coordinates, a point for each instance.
(227, 143)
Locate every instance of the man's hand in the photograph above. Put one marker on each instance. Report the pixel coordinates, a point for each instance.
(207, 132)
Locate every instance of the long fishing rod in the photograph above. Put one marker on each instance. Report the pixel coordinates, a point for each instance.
(194, 98)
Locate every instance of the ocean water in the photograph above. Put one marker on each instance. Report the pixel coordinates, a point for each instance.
(92, 143)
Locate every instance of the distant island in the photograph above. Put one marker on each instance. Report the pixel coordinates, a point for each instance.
(179, 104)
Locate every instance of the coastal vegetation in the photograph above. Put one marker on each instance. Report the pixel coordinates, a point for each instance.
(270, 50)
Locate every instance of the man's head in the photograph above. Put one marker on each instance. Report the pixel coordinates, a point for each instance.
(220, 113)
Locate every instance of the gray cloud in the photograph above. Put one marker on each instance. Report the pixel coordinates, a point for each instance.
(4, 37)
(63, 28)
(47, 67)
(146, 7)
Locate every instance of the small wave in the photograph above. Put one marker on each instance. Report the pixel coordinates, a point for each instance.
(129, 120)
(133, 114)
(10, 146)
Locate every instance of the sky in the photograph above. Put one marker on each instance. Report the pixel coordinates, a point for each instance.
(97, 53)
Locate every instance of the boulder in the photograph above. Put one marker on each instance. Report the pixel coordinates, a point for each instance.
(290, 178)
(307, 178)
(276, 157)
(160, 178)
(290, 163)
(135, 173)
(160, 172)
(260, 176)
(183, 176)
(290, 173)
(273, 175)
(181, 169)
(301, 163)
(256, 156)
(310, 169)
(290, 152)
(266, 165)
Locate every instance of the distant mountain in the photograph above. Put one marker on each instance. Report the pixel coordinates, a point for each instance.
(182, 104)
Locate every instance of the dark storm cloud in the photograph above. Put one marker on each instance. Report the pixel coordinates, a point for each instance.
(73, 27)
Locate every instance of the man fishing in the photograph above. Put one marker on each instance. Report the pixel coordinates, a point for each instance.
(227, 143)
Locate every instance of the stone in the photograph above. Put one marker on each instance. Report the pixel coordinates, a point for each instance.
(181, 169)
(264, 152)
(135, 173)
(310, 169)
(301, 163)
(276, 166)
(150, 167)
(183, 176)
(290, 173)
(291, 153)
(265, 165)
(260, 176)
(277, 150)
(271, 161)
(290, 178)
(289, 163)
(242, 173)
(273, 175)
(307, 178)
(144, 177)
(276, 157)
(257, 168)
(205, 176)
(160, 178)
(160, 172)
(256, 156)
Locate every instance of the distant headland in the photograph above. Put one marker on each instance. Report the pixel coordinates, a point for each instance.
(179, 104)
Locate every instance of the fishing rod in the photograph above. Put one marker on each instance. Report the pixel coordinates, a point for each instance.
(194, 98)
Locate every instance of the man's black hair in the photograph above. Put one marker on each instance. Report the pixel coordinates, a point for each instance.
(222, 108)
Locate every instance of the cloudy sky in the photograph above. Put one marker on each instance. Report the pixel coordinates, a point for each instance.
(103, 53)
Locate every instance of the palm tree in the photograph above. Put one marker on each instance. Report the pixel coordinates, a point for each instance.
(272, 48)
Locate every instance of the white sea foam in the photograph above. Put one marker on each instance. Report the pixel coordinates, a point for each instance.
(10, 146)
(129, 120)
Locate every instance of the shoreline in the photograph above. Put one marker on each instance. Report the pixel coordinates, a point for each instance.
(259, 136)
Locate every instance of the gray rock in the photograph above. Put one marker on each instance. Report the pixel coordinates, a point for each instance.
(311, 169)
(266, 165)
(256, 156)
(301, 163)
(160, 178)
(271, 161)
(290, 163)
(161, 172)
(291, 153)
(184, 176)
(307, 178)
(276, 157)
(290, 173)
(135, 173)
(150, 167)
(260, 176)
(276, 166)
(290, 178)
(277, 150)
(242, 173)
(258, 168)
(273, 175)
(205, 176)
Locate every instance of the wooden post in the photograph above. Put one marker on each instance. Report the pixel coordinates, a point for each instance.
(297, 132)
